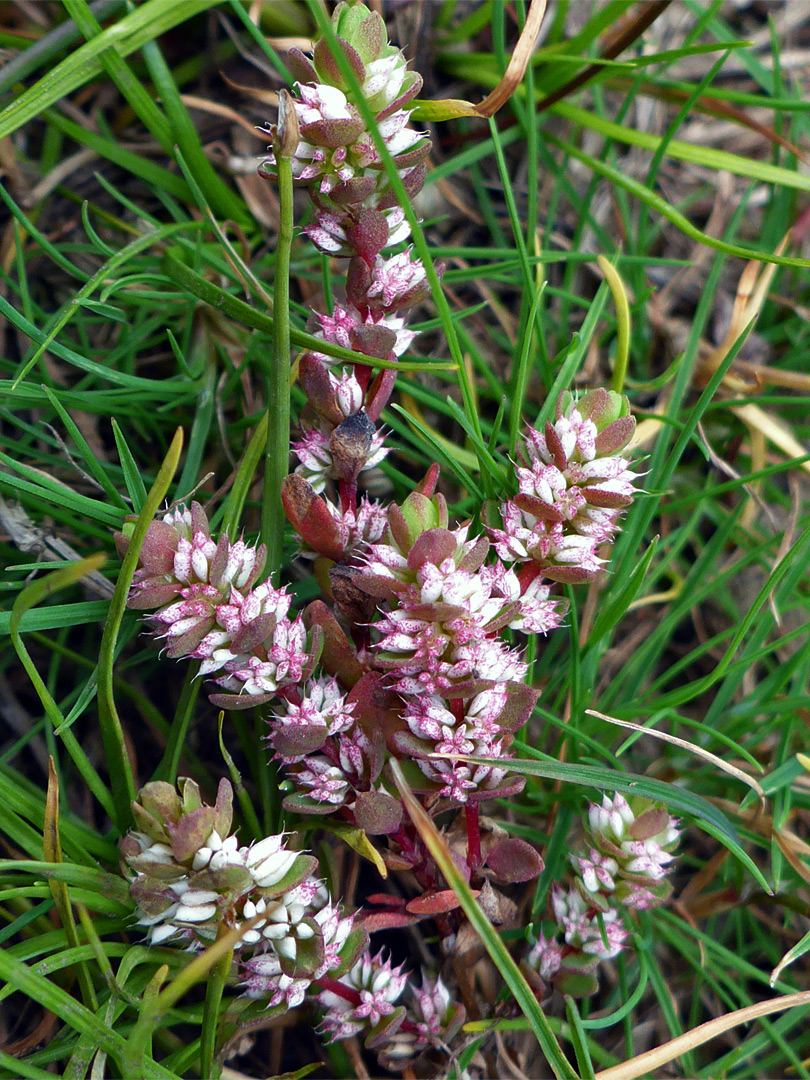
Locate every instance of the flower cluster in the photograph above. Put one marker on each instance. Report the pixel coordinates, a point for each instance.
(357, 217)
(622, 864)
(439, 642)
(336, 156)
(206, 606)
(481, 728)
(574, 481)
(629, 849)
(191, 879)
(366, 1000)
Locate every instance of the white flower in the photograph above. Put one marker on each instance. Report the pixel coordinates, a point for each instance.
(217, 853)
(321, 102)
(268, 861)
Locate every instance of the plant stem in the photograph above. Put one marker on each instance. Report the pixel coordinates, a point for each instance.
(277, 447)
(210, 1024)
(473, 837)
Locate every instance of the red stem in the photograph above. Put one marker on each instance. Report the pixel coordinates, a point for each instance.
(339, 989)
(473, 837)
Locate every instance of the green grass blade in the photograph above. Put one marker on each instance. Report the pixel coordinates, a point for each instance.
(225, 202)
(501, 957)
(243, 313)
(28, 598)
(656, 202)
(595, 776)
(133, 31)
(123, 784)
(708, 156)
(71, 1012)
(132, 89)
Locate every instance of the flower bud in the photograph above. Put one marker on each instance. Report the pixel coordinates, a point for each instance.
(286, 134)
(351, 445)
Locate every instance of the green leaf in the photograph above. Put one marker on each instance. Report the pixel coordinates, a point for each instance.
(245, 473)
(677, 698)
(100, 276)
(47, 490)
(131, 87)
(357, 840)
(444, 109)
(87, 877)
(611, 612)
(708, 156)
(132, 474)
(52, 850)
(89, 459)
(799, 949)
(223, 199)
(32, 595)
(72, 1013)
(49, 618)
(442, 450)
(712, 820)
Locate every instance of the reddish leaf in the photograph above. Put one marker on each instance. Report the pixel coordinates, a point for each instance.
(513, 860)
(555, 447)
(387, 920)
(378, 709)
(339, 657)
(309, 516)
(436, 903)
(377, 813)
(433, 546)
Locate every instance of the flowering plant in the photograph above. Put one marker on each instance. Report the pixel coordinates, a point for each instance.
(416, 651)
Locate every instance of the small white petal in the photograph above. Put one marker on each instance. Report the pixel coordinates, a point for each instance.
(185, 913)
(161, 933)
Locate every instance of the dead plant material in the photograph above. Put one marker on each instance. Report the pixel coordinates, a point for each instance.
(518, 62)
(512, 77)
(684, 744)
(218, 109)
(653, 1060)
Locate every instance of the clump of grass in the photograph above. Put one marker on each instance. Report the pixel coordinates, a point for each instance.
(136, 286)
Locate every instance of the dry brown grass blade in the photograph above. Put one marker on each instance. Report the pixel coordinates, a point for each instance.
(284, 44)
(652, 1060)
(450, 108)
(793, 380)
(215, 107)
(751, 293)
(752, 416)
(713, 759)
(517, 64)
(802, 869)
(265, 97)
(757, 463)
(642, 16)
